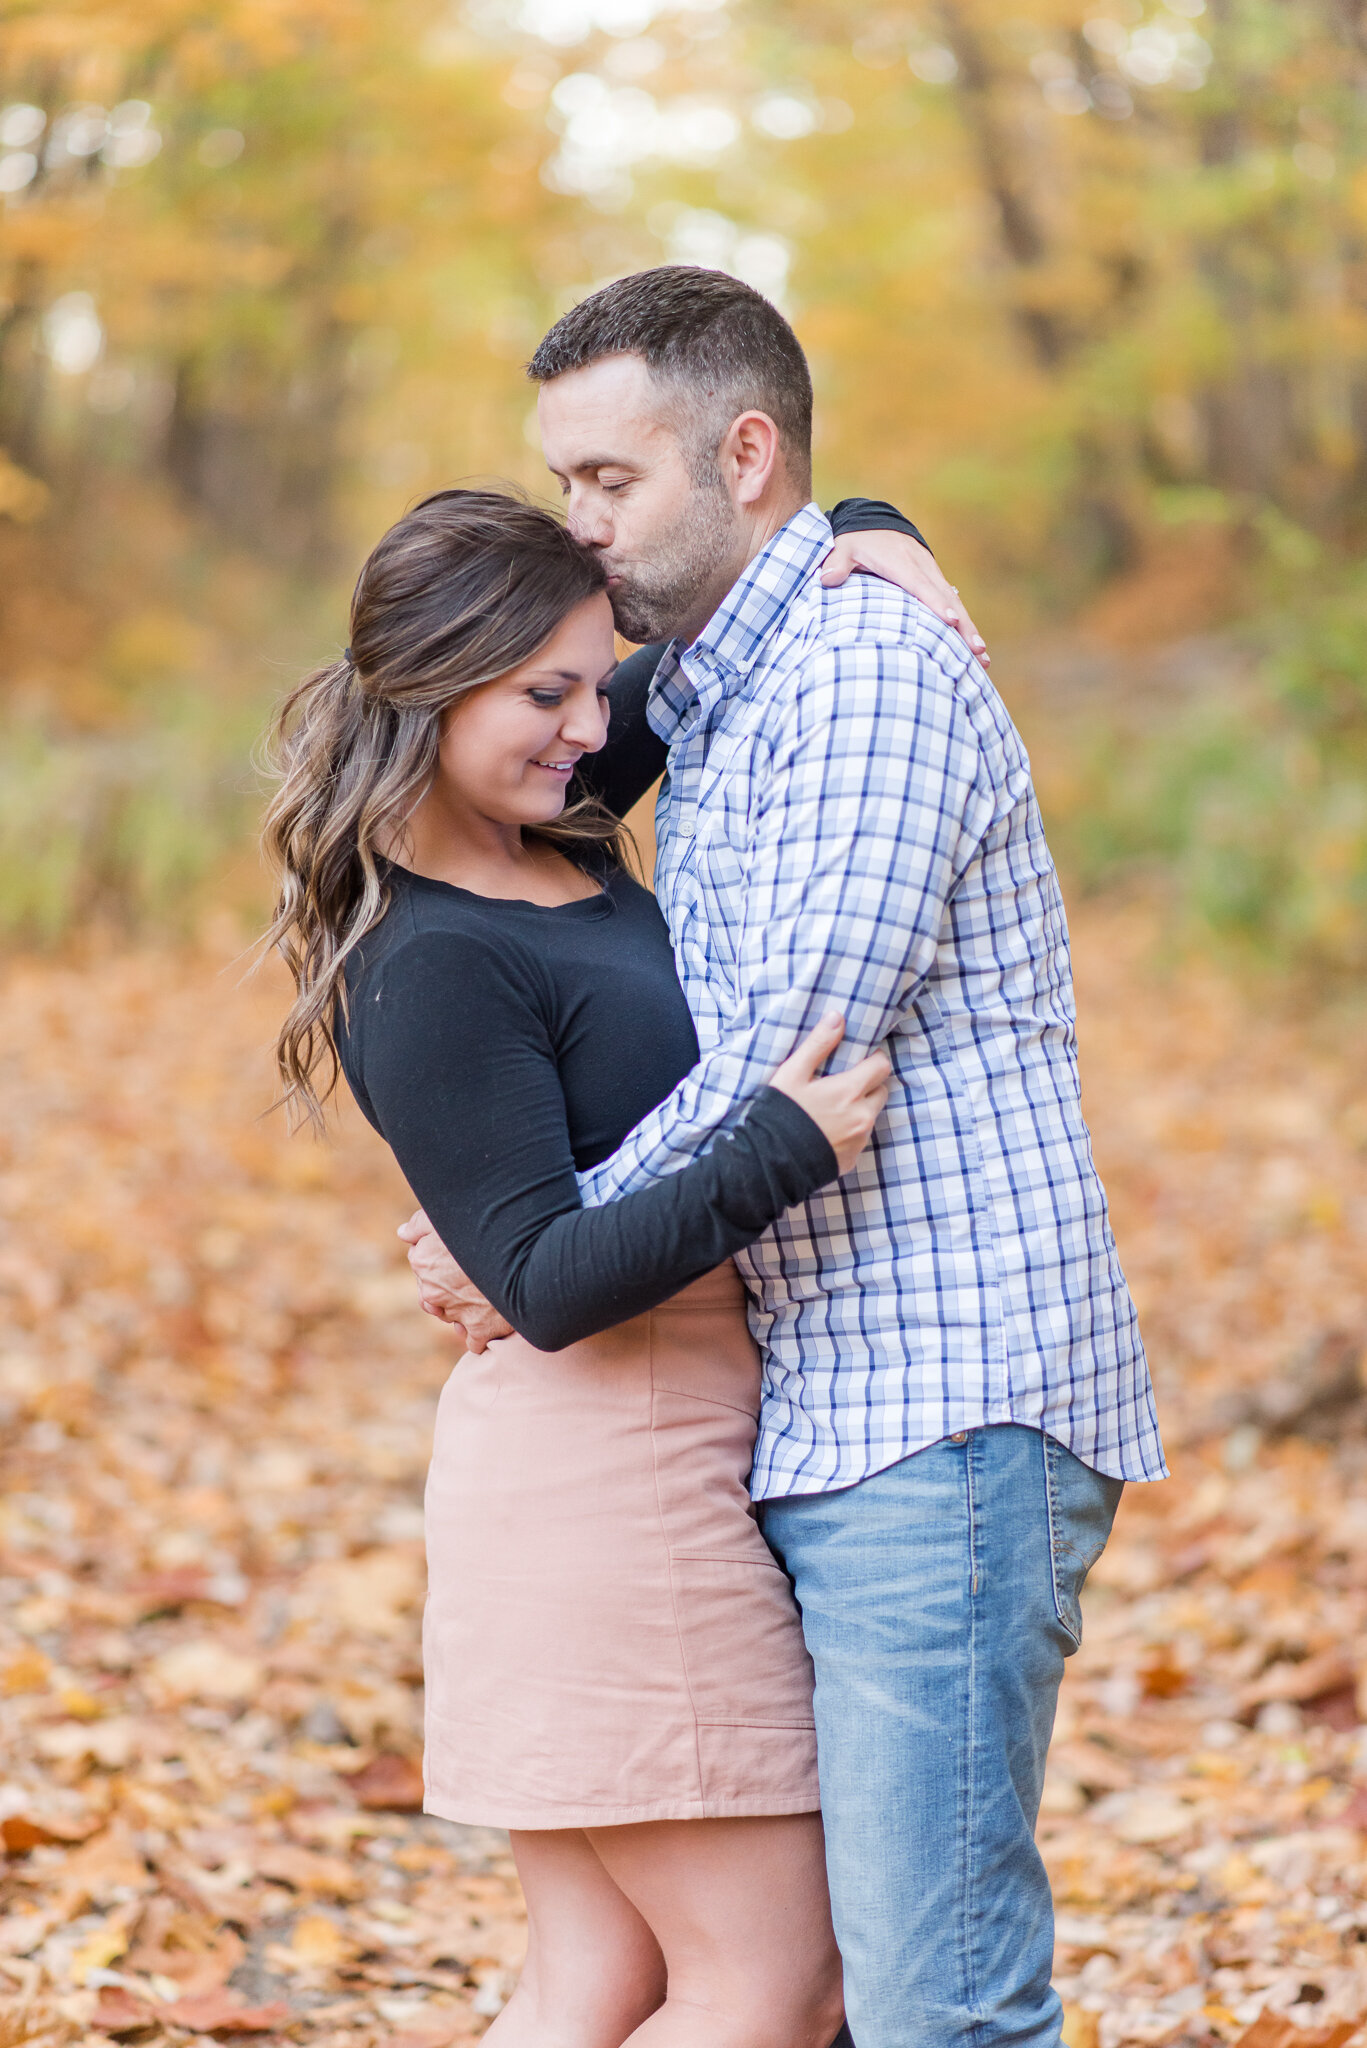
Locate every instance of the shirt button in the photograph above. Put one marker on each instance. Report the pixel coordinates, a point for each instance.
(960, 1436)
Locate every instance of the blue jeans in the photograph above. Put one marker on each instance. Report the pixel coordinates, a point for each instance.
(939, 1599)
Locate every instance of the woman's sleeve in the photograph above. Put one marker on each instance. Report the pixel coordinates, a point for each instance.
(622, 771)
(458, 1068)
(873, 515)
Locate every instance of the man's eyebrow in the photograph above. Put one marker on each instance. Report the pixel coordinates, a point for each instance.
(595, 462)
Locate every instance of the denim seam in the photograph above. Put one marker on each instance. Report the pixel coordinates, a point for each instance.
(1055, 1538)
(970, 1787)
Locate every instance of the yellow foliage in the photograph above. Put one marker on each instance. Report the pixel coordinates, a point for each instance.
(22, 497)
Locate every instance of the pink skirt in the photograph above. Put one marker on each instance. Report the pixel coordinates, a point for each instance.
(607, 1637)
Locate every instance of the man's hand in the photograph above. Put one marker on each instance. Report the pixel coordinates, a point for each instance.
(899, 559)
(444, 1290)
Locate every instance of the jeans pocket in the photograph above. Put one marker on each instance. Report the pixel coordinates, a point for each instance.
(1082, 1506)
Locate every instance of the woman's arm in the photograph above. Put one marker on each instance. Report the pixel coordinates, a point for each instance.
(451, 1052)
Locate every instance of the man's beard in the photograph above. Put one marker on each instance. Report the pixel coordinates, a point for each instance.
(653, 598)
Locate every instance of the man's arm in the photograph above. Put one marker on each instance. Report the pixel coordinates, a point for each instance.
(873, 806)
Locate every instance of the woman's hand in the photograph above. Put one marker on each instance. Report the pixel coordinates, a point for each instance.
(846, 1105)
(444, 1291)
(899, 559)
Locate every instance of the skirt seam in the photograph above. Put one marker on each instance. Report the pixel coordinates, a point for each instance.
(669, 1563)
(759, 1564)
(475, 1814)
(708, 1401)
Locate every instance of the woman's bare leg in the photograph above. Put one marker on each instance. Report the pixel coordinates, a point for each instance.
(740, 1912)
(594, 1970)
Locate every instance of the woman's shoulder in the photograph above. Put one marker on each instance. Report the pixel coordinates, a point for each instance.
(429, 928)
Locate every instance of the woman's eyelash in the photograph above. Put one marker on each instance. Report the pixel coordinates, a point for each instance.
(546, 697)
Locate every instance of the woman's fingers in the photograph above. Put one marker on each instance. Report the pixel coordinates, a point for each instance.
(898, 559)
(813, 1050)
(871, 1074)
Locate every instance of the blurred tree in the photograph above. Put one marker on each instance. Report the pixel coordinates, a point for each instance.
(1084, 283)
(1082, 257)
(225, 224)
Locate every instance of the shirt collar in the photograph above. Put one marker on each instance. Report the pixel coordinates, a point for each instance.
(690, 679)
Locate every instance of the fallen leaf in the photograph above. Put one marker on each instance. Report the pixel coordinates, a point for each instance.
(319, 1943)
(372, 1593)
(1145, 1817)
(20, 1832)
(1162, 1677)
(185, 1947)
(205, 1670)
(80, 1704)
(40, 2024)
(102, 1870)
(101, 1947)
(1080, 2029)
(387, 1781)
(1274, 2030)
(1336, 1708)
(223, 2012)
(439, 2034)
(119, 2011)
(1330, 1671)
(305, 1870)
(28, 1672)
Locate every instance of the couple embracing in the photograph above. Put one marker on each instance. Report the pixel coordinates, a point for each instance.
(802, 1379)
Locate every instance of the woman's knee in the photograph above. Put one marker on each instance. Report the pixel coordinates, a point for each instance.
(579, 2011)
(803, 2008)
(811, 2020)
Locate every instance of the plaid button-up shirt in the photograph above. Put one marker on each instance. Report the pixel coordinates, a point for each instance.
(848, 823)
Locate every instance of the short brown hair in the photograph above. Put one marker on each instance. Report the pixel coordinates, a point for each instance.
(703, 330)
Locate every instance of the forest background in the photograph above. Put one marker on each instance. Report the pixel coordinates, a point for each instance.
(1084, 285)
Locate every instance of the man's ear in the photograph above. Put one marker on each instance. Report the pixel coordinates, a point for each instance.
(749, 455)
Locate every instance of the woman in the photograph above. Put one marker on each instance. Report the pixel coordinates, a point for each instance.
(614, 1664)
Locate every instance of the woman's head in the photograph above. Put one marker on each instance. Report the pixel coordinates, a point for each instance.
(509, 748)
(470, 589)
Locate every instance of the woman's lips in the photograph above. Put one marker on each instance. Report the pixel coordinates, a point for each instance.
(562, 769)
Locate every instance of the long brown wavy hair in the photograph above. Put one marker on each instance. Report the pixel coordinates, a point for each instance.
(466, 586)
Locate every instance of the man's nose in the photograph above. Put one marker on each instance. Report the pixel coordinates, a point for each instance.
(590, 520)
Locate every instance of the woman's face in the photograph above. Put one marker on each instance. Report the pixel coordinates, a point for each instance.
(509, 748)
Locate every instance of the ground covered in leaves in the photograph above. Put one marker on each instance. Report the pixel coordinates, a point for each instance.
(216, 1398)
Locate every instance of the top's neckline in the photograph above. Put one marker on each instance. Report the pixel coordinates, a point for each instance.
(597, 905)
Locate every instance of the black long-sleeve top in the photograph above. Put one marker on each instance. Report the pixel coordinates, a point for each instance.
(502, 1047)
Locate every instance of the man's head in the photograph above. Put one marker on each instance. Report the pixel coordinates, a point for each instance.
(676, 409)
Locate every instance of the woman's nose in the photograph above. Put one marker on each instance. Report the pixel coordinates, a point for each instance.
(586, 726)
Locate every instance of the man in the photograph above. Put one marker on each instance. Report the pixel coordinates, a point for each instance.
(955, 1388)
